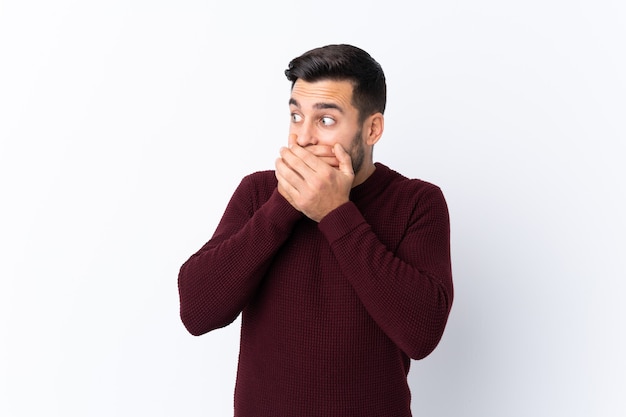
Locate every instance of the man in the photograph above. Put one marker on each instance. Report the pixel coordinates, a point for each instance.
(339, 265)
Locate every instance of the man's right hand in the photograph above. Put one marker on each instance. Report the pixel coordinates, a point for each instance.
(325, 153)
(314, 179)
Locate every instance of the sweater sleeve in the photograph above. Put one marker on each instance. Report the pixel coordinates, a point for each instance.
(408, 292)
(217, 282)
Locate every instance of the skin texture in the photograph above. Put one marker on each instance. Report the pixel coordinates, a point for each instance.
(329, 151)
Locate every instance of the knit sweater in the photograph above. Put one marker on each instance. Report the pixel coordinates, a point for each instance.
(332, 312)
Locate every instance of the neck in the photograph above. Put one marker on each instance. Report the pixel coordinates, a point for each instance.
(364, 173)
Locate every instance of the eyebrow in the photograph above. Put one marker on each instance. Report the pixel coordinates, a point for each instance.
(317, 106)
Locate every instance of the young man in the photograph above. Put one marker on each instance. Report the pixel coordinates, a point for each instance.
(339, 265)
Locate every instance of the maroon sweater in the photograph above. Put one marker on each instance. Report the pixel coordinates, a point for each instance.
(332, 311)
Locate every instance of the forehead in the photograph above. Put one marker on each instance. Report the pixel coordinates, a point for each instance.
(324, 91)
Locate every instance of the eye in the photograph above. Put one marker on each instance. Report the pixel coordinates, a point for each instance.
(327, 121)
(295, 117)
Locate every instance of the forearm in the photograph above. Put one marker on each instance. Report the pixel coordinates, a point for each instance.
(216, 283)
(407, 292)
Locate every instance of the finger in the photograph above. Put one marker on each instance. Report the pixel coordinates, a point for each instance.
(303, 161)
(282, 173)
(288, 173)
(321, 150)
(292, 139)
(325, 153)
(331, 161)
(292, 157)
(345, 161)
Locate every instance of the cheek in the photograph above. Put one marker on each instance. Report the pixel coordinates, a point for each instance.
(327, 137)
(343, 137)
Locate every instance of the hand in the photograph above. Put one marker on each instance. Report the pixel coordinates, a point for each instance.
(324, 152)
(316, 179)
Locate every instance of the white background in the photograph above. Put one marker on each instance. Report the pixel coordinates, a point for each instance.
(126, 125)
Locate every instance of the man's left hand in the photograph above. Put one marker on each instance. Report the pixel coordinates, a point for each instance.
(312, 185)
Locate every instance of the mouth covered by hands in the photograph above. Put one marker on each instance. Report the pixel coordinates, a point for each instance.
(315, 179)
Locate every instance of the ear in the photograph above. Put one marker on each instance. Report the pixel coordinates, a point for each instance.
(374, 126)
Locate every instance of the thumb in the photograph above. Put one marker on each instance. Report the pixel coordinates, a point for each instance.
(345, 162)
(292, 140)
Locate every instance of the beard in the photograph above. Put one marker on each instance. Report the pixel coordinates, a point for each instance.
(357, 152)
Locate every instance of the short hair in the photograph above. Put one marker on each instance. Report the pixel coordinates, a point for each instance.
(344, 62)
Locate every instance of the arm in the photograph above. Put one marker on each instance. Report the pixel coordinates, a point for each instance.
(408, 293)
(217, 282)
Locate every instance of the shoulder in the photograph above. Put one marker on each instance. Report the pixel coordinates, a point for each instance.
(394, 204)
(417, 199)
(257, 187)
(412, 189)
(261, 179)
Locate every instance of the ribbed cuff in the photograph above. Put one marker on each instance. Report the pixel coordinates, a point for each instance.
(280, 212)
(341, 221)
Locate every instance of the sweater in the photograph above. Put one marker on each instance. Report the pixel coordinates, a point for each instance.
(332, 312)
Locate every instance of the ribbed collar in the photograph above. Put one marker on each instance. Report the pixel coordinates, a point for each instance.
(373, 185)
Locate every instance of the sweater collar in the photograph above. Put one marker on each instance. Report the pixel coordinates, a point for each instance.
(374, 184)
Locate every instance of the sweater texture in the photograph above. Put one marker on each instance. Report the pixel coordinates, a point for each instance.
(332, 312)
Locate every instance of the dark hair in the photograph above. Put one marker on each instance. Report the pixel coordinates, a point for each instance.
(344, 62)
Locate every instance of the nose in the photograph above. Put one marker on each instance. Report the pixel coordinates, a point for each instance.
(305, 135)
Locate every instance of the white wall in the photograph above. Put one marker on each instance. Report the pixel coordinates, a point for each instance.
(126, 125)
